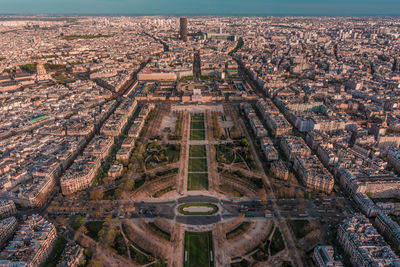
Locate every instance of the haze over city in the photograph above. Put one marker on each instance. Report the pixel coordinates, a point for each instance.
(206, 7)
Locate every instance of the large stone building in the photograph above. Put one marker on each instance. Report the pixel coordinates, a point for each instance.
(7, 208)
(313, 174)
(7, 229)
(31, 244)
(388, 228)
(364, 244)
(183, 31)
(323, 256)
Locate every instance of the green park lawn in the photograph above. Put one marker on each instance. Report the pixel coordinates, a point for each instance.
(197, 118)
(197, 181)
(197, 151)
(198, 249)
(197, 165)
(197, 135)
(199, 125)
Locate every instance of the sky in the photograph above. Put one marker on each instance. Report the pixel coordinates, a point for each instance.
(205, 7)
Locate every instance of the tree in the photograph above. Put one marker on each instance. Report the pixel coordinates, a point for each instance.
(118, 191)
(109, 238)
(100, 234)
(154, 144)
(97, 194)
(107, 221)
(98, 262)
(245, 142)
(129, 186)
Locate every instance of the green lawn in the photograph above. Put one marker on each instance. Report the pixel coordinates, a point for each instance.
(243, 227)
(197, 118)
(164, 234)
(197, 151)
(197, 131)
(277, 243)
(93, 229)
(197, 125)
(181, 208)
(197, 134)
(197, 181)
(298, 227)
(197, 165)
(198, 249)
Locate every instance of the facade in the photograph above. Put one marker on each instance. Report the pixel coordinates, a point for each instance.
(393, 157)
(7, 229)
(268, 148)
(255, 122)
(313, 174)
(123, 154)
(323, 256)
(364, 244)
(380, 184)
(183, 30)
(115, 170)
(80, 175)
(31, 244)
(72, 256)
(366, 205)
(293, 146)
(7, 208)
(389, 229)
(279, 170)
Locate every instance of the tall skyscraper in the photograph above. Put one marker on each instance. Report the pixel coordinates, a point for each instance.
(183, 31)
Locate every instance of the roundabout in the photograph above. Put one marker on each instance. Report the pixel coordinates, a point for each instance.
(197, 209)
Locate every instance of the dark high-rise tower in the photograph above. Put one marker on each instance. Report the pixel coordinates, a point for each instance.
(183, 31)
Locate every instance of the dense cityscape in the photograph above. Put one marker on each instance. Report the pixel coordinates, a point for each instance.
(199, 141)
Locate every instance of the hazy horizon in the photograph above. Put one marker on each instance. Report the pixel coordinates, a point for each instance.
(206, 7)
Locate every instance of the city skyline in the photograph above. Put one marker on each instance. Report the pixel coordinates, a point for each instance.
(186, 141)
(208, 7)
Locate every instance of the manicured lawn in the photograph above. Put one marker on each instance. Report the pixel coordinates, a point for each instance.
(93, 229)
(243, 227)
(181, 208)
(197, 181)
(163, 191)
(197, 125)
(159, 231)
(197, 135)
(277, 243)
(197, 151)
(298, 227)
(197, 165)
(197, 131)
(197, 118)
(198, 250)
